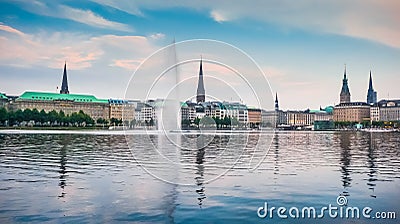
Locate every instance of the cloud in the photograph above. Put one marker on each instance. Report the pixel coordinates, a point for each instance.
(57, 10)
(89, 18)
(10, 29)
(80, 51)
(218, 17)
(130, 7)
(367, 19)
(157, 36)
(128, 64)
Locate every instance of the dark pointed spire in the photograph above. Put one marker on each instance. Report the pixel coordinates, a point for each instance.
(371, 94)
(276, 101)
(64, 85)
(345, 92)
(201, 94)
(370, 80)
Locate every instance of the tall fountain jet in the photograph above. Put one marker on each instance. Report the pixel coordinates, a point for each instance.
(168, 114)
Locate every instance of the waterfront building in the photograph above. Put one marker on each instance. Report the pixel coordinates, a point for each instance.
(121, 109)
(274, 118)
(282, 118)
(68, 103)
(147, 113)
(351, 112)
(254, 117)
(347, 111)
(200, 111)
(325, 114)
(374, 112)
(371, 94)
(269, 118)
(214, 109)
(299, 118)
(238, 111)
(201, 94)
(345, 92)
(63, 101)
(323, 118)
(188, 111)
(389, 110)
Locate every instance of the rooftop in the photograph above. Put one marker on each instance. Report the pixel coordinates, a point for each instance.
(3, 97)
(43, 96)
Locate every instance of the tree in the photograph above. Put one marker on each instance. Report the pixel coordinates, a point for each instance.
(234, 122)
(19, 116)
(151, 122)
(43, 116)
(185, 123)
(133, 123)
(62, 118)
(52, 117)
(197, 122)
(35, 115)
(126, 123)
(3, 115)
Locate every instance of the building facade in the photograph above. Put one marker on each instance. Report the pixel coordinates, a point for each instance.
(147, 114)
(68, 103)
(237, 111)
(351, 112)
(299, 118)
(121, 110)
(254, 117)
(374, 113)
(188, 111)
(389, 110)
(269, 118)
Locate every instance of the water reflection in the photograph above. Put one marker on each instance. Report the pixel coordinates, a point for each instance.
(372, 174)
(345, 161)
(62, 171)
(275, 143)
(108, 185)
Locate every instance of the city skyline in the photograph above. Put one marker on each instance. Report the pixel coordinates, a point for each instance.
(103, 43)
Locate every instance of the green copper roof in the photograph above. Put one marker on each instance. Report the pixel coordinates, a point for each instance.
(329, 109)
(2, 96)
(57, 96)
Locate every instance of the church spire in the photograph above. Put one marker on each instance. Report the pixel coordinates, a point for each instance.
(64, 85)
(371, 94)
(370, 80)
(276, 102)
(201, 95)
(345, 92)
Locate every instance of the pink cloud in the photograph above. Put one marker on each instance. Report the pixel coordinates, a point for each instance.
(127, 64)
(10, 30)
(80, 52)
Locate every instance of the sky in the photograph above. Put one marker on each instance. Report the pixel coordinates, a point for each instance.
(300, 47)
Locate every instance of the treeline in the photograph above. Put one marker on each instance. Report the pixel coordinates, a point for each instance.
(208, 122)
(34, 117)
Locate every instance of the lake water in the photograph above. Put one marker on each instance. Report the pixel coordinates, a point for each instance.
(96, 177)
